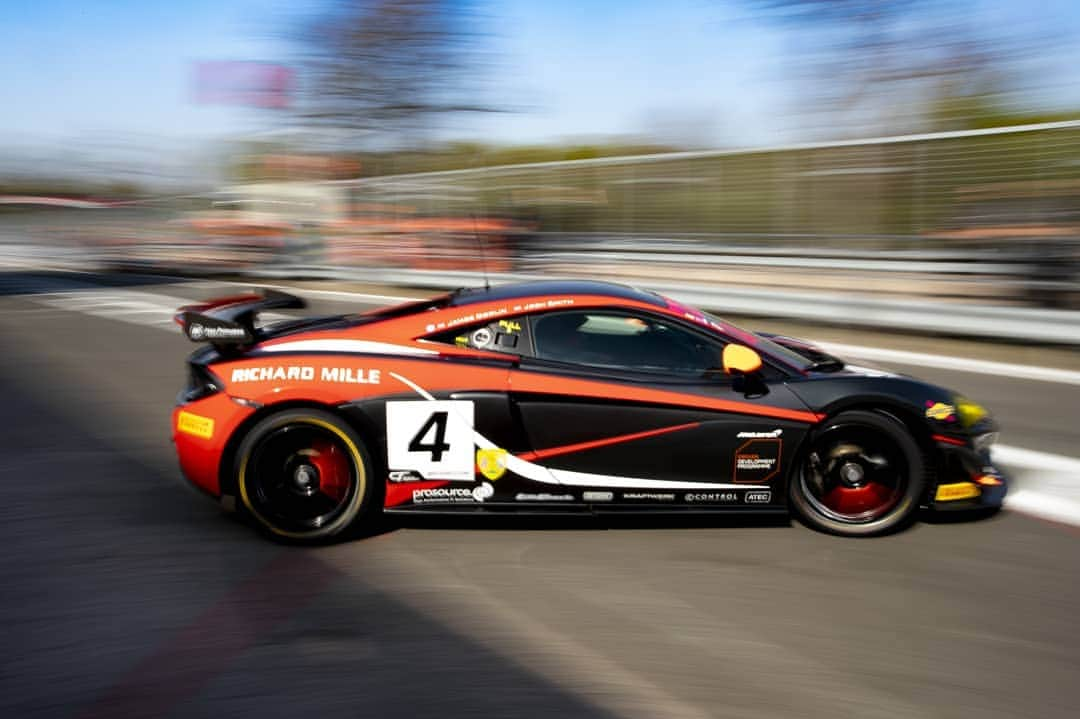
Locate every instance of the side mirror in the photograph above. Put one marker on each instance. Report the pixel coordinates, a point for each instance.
(740, 359)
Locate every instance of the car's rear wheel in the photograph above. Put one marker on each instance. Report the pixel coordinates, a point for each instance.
(861, 474)
(303, 474)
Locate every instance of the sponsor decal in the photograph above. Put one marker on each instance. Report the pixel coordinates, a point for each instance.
(760, 435)
(757, 460)
(543, 497)
(758, 497)
(196, 425)
(491, 462)
(349, 375)
(452, 495)
(955, 491)
(598, 496)
(408, 476)
(197, 331)
(509, 326)
(295, 373)
(940, 411)
(712, 497)
(650, 496)
(482, 337)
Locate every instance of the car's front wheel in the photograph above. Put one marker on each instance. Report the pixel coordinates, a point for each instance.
(861, 474)
(303, 474)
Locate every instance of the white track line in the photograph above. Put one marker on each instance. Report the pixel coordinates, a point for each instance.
(1045, 506)
(1041, 461)
(962, 364)
(1045, 485)
(341, 294)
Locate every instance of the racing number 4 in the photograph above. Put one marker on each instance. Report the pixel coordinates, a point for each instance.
(436, 422)
(433, 438)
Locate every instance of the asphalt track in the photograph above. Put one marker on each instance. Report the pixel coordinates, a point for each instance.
(125, 593)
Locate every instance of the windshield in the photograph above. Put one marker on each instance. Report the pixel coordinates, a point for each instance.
(750, 339)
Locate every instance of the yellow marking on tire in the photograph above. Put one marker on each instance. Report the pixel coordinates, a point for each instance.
(358, 464)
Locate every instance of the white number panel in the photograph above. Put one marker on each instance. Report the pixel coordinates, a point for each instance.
(431, 438)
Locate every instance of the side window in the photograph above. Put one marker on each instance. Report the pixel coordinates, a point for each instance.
(505, 335)
(625, 341)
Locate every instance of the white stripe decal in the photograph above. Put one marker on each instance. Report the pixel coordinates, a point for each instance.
(584, 479)
(359, 346)
(544, 475)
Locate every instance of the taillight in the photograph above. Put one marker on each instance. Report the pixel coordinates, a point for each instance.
(201, 382)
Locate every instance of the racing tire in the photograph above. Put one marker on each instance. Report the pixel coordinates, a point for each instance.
(303, 475)
(861, 474)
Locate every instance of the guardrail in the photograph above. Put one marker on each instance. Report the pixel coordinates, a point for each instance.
(986, 317)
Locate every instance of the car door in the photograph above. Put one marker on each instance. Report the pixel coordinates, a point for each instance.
(630, 406)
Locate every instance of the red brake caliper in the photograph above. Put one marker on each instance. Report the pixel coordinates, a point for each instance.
(856, 500)
(333, 466)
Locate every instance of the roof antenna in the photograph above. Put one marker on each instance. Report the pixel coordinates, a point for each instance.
(483, 256)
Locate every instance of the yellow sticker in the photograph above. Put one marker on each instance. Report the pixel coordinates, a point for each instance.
(940, 411)
(491, 462)
(194, 424)
(509, 326)
(959, 490)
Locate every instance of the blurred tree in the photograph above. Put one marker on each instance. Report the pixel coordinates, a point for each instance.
(902, 65)
(380, 72)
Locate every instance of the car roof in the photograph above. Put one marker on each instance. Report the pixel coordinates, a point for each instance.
(544, 288)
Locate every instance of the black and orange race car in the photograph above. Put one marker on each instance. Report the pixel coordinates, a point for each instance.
(558, 396)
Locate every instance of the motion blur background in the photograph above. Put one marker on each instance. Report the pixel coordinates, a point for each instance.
(901, 178)
(907, 149)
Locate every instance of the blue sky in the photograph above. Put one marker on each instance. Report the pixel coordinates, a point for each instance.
(706, 68)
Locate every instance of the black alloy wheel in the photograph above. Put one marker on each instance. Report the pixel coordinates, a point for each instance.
(861, 474)
(303, 474)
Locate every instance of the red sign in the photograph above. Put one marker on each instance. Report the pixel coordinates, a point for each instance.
(256, 84)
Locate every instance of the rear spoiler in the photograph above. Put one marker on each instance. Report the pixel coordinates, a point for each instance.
(231, 320)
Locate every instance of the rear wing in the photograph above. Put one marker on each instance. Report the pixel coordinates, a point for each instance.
(231, 320)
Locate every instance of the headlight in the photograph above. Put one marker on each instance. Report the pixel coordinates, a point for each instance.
(969, 413)
(983, 442)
